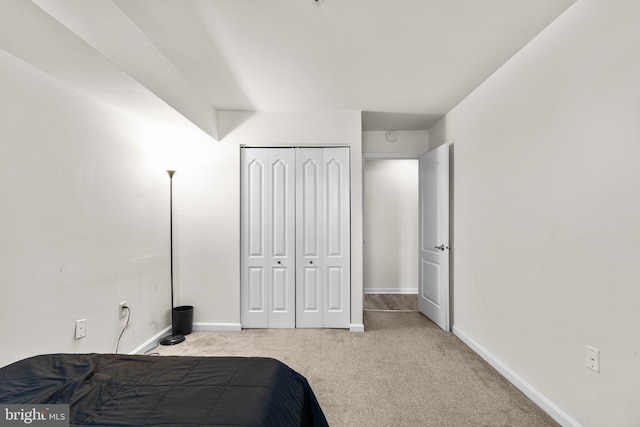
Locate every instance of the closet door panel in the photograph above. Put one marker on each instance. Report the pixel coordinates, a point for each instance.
(257, 290)
(280, 198)
(333, 209)
(254, 224)
(281, 204)
(335, 286)
(336, 256)
(309, 238)
(309, 200)
(311, 290)
(256, 208)
(279, 295)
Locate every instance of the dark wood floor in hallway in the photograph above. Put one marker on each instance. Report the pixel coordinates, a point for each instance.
(401, 302)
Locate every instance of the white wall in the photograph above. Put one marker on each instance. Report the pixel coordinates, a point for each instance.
(408, 143)
(207, 230)
(546, 212)
(85, 216)
(391, 226)
(80, 221)
(293, 129)
(85, 220)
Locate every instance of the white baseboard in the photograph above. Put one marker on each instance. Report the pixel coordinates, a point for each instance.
(152, 342)
(207, 326)
(538, 398)
(395, 291)
(356, 327)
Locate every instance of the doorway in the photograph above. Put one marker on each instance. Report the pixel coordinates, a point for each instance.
(390, 234)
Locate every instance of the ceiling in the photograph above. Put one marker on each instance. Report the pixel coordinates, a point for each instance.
(404, 63)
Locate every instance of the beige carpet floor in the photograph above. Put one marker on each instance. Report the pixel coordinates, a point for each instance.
(403, 371)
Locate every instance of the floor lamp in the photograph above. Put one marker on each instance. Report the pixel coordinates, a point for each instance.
(174, 338)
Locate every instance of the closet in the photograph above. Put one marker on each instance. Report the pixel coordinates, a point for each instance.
(295, 231)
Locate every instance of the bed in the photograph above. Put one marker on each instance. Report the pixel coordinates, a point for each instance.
(118, 390)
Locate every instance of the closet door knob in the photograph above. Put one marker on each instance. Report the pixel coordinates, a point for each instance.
(279, 262)
(310, 262)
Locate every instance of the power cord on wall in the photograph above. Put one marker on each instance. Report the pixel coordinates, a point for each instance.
(125, 326)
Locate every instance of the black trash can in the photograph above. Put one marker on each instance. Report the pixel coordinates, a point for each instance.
(182, 320)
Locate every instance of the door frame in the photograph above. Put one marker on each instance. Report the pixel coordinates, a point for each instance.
(416, 156)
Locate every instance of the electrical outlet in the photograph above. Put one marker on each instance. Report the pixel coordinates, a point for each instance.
(122, 309)
(593, 358)
(81, 328)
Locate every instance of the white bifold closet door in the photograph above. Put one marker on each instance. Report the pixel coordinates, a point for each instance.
(268, 238)
(323, 274)
(295, 238)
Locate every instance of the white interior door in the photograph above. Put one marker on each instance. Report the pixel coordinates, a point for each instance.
(433, 271)
(268, 238)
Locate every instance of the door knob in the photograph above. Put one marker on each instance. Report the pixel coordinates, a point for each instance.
(441, 247)
(310, 262)
(279, 262)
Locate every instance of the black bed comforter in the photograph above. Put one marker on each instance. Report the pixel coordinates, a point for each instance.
(117, 390)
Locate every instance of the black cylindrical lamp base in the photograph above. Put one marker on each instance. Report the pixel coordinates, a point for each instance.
(172, 340)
